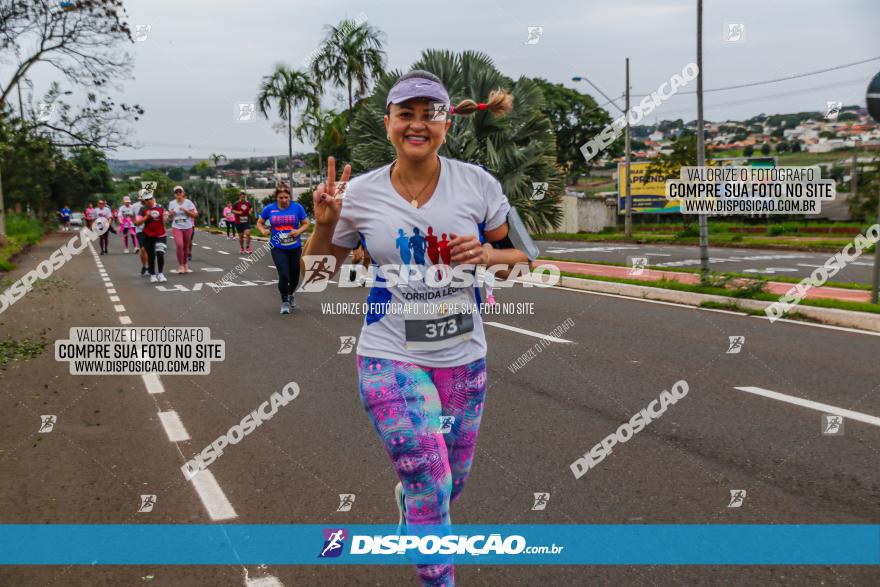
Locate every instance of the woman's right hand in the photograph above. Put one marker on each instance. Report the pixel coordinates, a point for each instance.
(327, 207)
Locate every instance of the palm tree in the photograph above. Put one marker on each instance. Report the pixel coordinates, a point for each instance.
(327, 131)
(518, 149)
(311, 129)
(350, 56)
(288, 89)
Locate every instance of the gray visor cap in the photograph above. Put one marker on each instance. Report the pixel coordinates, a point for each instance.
(417, 87)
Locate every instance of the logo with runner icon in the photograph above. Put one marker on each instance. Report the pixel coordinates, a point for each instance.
(47, 423)
(735, 344)
(148, 502)
(541, 501)
(346, 345)
(832, 425)
(346, 501)
(334, 541)
(319, 270)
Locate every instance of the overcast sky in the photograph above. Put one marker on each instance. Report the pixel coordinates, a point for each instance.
(202, 57)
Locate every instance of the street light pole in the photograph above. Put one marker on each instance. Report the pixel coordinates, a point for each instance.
(628, 228)
(701, 147)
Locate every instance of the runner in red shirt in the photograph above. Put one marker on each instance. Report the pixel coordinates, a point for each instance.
(152, 216)
(242, 210)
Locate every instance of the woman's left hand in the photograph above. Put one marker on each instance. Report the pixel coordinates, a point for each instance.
(467, 250)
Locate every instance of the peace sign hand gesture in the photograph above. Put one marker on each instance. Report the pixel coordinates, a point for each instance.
(327, 199)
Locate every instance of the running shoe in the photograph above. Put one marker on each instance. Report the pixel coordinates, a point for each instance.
(285, 307)
(292, 302)
(162, 278)
(153, 279)
(143, 271)
(400, 498)
(241, 251)
(126, 251)
(248, 250)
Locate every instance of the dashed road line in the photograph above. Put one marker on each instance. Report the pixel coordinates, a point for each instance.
(528, 332)
(818, 406)
(173, 426)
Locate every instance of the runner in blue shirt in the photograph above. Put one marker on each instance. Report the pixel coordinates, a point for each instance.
(286, 221)
(65, 218)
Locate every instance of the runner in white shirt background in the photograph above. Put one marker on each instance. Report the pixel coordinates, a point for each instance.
(139, 234)
(104, 211)
(125, 215)
(182, 212)
(414, 371)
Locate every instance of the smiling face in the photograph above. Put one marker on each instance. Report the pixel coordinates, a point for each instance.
(179, 195)
(413, 133)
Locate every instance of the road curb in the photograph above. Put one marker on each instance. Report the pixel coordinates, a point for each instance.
(832, 316)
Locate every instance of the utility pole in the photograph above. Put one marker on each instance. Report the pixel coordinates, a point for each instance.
(701, 147)
(628, 227)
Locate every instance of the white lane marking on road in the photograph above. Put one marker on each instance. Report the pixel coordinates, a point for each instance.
(124, 320)
(109, 285)
(114, 298)
(211, 269)
(111, 291)
(119, 308)
(153, 383)
(658, 254)
(527, 332)
(269, 581)
(106, 279)
(271, 266)
(223, 252)
(245, 258)
(818, 406)
(204, 247)
(212, 496)
(808, 265)
(174, 428)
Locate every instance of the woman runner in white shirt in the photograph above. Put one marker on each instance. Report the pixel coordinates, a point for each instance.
(422, 377)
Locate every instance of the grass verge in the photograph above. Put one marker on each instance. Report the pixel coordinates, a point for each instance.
(21, 232)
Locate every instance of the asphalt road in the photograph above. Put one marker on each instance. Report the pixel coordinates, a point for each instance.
(109, 445)
(759, 262)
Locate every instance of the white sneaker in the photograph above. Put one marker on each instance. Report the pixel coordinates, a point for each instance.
(162, 278)
(153, 279)
(126, 251)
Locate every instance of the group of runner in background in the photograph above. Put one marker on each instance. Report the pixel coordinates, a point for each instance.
(143, 223)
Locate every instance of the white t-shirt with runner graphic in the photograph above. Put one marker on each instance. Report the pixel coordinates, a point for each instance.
(180, 219)
(467, 201)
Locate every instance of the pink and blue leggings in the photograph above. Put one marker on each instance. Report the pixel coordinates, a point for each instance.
(407, 403)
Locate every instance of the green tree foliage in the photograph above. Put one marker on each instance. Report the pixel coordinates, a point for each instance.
(518, 149)
(684, 154)
(576, 118)
(350, 57)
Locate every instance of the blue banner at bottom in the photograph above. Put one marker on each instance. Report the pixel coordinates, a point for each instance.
(485, 544)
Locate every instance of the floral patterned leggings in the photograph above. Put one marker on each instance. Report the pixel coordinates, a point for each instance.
(410, 407)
